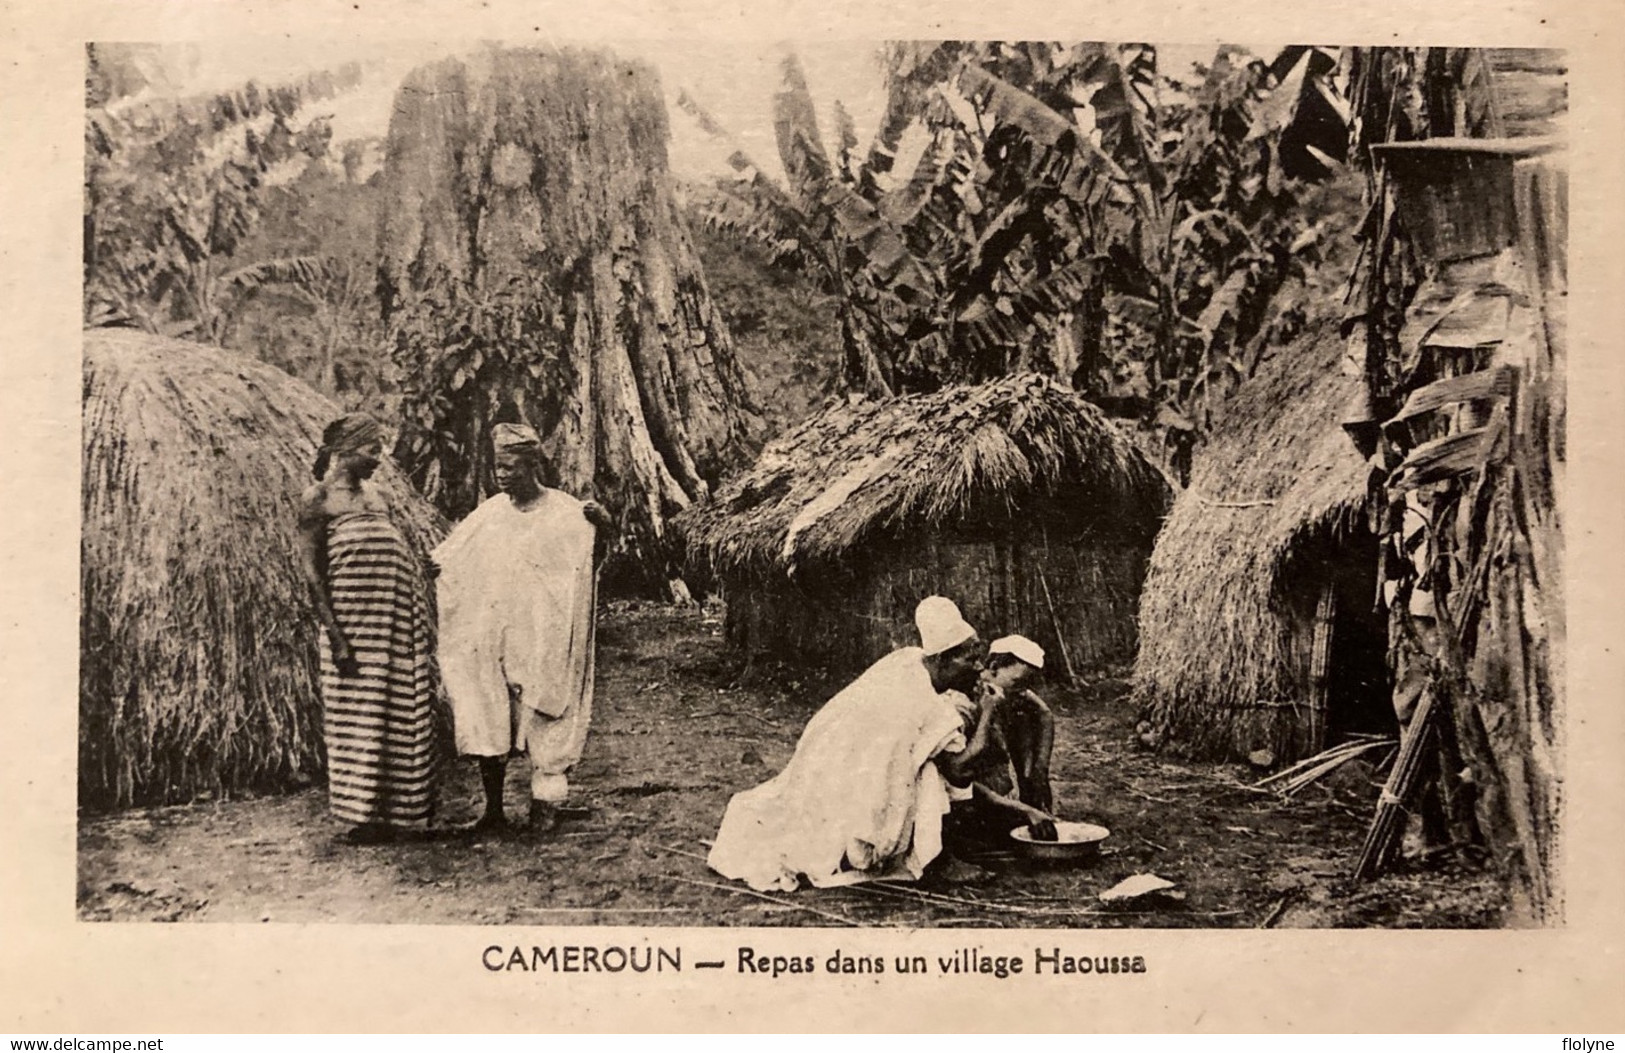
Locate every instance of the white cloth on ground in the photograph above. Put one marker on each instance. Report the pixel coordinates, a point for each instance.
(860, 800)
(516, 596)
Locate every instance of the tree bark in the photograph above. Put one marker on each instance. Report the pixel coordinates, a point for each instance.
(550, 165)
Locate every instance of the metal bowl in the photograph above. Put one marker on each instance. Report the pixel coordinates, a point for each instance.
(1074, 843)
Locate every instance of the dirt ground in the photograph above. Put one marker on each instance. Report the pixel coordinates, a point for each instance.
(677, 730)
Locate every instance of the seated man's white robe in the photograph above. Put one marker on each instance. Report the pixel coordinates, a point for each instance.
(861, 799)
(516, 603)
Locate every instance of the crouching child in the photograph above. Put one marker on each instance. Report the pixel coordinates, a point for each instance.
(1009, 784)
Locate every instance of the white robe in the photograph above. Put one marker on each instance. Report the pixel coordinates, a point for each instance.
(861, 798)
(516, 596)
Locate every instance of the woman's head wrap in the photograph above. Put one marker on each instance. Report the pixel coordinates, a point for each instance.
(349, 434)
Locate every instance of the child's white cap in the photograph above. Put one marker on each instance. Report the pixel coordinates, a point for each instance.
(1021, 647)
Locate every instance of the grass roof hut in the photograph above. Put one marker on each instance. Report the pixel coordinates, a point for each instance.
(1258, 628)
(197, 646)
(1016, 498)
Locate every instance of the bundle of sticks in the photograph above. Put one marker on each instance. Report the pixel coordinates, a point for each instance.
(1305, 772)
(1388, 825)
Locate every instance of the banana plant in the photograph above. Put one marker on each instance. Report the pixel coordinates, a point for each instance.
(174, 187)
(822, 223)
(1021, 203)
(1178, 192)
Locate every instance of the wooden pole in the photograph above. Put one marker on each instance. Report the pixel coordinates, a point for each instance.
(1055, 623)
(1320, 667)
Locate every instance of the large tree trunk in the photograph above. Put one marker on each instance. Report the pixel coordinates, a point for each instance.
(548, 168)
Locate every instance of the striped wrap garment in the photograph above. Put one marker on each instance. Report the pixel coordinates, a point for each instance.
(378, 722)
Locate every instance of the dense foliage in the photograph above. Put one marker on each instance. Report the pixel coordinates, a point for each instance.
(468, 353)
(1072, 209)
(325, 327)
(780, 322)
(174, 188)
(1144, 233)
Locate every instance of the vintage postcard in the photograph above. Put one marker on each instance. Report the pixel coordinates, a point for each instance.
(937, 520)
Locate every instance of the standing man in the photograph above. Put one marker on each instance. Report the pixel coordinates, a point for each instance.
(517, 591)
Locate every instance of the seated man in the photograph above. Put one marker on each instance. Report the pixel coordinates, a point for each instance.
(1008, 785)
(864, 795)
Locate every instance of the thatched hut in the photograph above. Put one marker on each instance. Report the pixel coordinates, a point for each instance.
(1016, 498)
(197, 647)
(1258, 625)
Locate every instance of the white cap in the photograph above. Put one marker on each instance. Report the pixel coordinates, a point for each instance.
(1021, 647)
(941, 626)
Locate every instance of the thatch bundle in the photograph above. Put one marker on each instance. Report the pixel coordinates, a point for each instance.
(862, 469)
(197, 633)
(1225, 635)
(1017, 498)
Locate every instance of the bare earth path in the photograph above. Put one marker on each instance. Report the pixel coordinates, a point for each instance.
(674, 736)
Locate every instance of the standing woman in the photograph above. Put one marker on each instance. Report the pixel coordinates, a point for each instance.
(372, 601)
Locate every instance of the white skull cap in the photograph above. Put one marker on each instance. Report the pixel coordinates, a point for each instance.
(941, 626)
(1021, 647)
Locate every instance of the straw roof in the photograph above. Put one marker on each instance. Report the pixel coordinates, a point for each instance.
(1278, 471)
(862, 470)
(197, 638)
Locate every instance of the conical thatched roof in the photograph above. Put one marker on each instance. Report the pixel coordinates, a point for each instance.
(867, 469)
(1214, 635)
(197, 634)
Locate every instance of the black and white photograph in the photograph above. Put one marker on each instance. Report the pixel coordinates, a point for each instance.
(896, 484)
